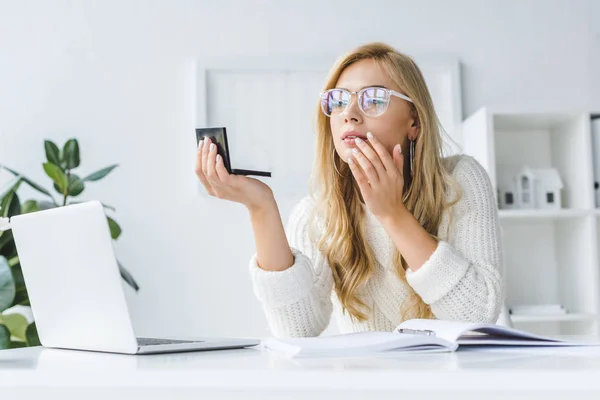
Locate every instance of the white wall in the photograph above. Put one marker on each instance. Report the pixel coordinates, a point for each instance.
(116, 75)
(594, 49)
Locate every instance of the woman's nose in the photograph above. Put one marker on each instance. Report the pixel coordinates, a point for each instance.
(352, 113)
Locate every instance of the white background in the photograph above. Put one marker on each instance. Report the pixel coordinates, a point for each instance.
(118, 76)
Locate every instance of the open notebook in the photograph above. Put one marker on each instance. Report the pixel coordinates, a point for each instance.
(413, 335)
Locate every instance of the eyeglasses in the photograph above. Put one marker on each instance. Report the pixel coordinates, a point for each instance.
(372, 101)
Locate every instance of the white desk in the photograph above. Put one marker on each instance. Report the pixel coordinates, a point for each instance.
(37, 373)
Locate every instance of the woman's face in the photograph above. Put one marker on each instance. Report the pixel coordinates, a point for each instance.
(394, 126)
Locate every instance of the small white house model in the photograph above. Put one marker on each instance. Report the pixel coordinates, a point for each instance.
(547, 189)
(528, 188)
(507, 187)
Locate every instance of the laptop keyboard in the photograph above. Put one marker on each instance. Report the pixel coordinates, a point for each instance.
(155, 342)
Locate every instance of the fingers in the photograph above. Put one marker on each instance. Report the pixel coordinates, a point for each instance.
(371, 156)
(200, 161)
(384, 155)
(211, 172)
(205, 147)
(367, 167)
(361, 179)
(399, 159)
(224, 176)
(211, 160)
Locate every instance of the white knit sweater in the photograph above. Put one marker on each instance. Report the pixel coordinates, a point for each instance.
(462, 280)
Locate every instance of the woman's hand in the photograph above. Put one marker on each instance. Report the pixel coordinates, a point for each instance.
(219, 183)
(380, 176)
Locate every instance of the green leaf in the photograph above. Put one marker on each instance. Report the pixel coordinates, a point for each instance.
(57, 175)
(29, 182)
(14, 207)
(4, 337)
(9, 201)
(9, 253)
(21, 295)
(30, 206)
(12, 187)
(71, 153)
(32, 335)
(75, 185)
(9, 250)
(99, 174)
(109, 207)
(17, 345)
(7, 285)
(10, 205)
(52, 152)
(127, 277)
(115, 229)
(16, 324)
(6, 242)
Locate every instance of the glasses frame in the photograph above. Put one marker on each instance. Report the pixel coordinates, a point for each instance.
(389, 93)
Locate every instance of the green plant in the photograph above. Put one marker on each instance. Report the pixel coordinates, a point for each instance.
(59, 166)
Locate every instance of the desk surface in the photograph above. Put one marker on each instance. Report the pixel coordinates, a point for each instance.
(532, 371)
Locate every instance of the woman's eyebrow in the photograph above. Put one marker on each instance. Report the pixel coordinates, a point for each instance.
(377, 86)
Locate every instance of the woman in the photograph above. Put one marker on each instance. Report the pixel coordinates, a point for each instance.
(392, 230)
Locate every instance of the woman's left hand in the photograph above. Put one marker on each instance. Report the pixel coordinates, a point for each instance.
(380, 176)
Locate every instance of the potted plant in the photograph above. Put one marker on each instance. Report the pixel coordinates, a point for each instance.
(60, 165)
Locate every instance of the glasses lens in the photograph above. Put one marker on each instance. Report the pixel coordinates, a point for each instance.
(334, 101)
(374, 101)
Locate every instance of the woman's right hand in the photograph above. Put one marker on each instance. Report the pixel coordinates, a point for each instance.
(221, 184)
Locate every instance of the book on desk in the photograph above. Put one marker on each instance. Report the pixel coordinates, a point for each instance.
(415, 335)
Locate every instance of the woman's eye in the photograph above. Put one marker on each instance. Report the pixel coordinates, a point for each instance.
(375, 101)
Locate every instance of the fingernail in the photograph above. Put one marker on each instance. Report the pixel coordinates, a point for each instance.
(399, 149)
(206, 139)
(212, 147)
(218, 158)
(355, 151)
(358, 140)
(200, 143)
(350, 161)
(369, 135)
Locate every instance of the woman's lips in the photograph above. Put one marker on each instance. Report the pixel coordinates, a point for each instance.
(349, 138)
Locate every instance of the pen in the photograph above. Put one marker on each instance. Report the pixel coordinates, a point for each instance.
(425, 332)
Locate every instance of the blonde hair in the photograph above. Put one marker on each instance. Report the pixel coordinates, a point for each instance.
(338, 200)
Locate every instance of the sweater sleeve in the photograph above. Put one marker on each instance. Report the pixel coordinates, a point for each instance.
(462, 280)
(296, 301)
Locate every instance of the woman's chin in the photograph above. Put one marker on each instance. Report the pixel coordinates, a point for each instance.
(344, 154)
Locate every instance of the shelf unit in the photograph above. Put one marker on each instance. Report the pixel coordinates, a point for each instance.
(523, 319)
(507, 215)
(550, 256)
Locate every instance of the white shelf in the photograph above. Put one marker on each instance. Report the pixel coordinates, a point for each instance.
(552, 318)
(549, 256)
(544, 214)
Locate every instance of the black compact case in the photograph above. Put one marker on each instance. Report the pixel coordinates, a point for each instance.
(218, 136)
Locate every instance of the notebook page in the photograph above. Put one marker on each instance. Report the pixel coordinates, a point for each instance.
(353, 344)
(491, 340)
(453, 330)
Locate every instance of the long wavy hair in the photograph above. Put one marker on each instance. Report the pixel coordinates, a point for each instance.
(338, 210)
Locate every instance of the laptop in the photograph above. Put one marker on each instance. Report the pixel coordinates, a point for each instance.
(75, 288)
